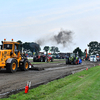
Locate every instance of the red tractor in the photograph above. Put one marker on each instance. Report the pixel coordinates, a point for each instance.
(42, 58)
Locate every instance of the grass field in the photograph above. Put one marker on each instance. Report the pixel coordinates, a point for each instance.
(84, 85)
(55, 61)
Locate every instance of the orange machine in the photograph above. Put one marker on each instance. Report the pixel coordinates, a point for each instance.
(86, 57)
(10, 57)
(86, 53)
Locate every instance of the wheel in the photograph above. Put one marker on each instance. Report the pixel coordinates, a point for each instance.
(67, 61)
(41, 59)
(75, 62)
(24, 66)
(12, 67)
(51, 59)
(71, 62)
(34, 59)
(44, 59)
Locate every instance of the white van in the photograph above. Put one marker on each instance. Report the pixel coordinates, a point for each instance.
(93, 58)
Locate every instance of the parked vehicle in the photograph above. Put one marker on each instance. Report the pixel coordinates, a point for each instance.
(98, 57)
(93, 58)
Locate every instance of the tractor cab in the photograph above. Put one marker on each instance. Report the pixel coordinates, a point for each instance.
(72, 55)
(12, 46)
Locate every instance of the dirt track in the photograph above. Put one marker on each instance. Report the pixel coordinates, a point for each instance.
(13, 81)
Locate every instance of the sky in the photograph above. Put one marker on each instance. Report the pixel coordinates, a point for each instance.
(32, 20)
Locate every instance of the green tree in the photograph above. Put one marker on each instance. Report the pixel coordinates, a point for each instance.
(54, 49)
(20, 41)
(20, 45)
(46, 49)
(94, 47)
(35, 47)
(32, 46)
(78, 50)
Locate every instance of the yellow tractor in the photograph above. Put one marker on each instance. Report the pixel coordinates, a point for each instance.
(10, 57)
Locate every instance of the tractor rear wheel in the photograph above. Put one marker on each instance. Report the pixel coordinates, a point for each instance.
(67, 61)
(41, 59)
(34, 59)
(12, 67)
(24, 66)
(75, 62)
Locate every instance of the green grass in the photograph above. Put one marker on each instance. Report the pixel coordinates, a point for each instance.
(30, 59)
(55, 61)
(84, 85)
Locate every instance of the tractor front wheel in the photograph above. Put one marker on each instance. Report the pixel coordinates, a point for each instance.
(12, 67)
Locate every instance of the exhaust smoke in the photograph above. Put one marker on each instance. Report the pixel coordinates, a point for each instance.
(64, 38)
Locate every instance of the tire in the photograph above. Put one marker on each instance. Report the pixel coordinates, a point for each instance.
(75, 62)
(67, 61)
(72, 63)
(34, 59)
(51, 59)
(41, 59)
(24, 66)
(12, 67)
(44, 59)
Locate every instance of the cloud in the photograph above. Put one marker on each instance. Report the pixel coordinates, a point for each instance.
(93, 5)
(31, 23)
(54, 14)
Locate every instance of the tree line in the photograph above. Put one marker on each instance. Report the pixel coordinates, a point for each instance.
(34, 47)
(94, 48)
